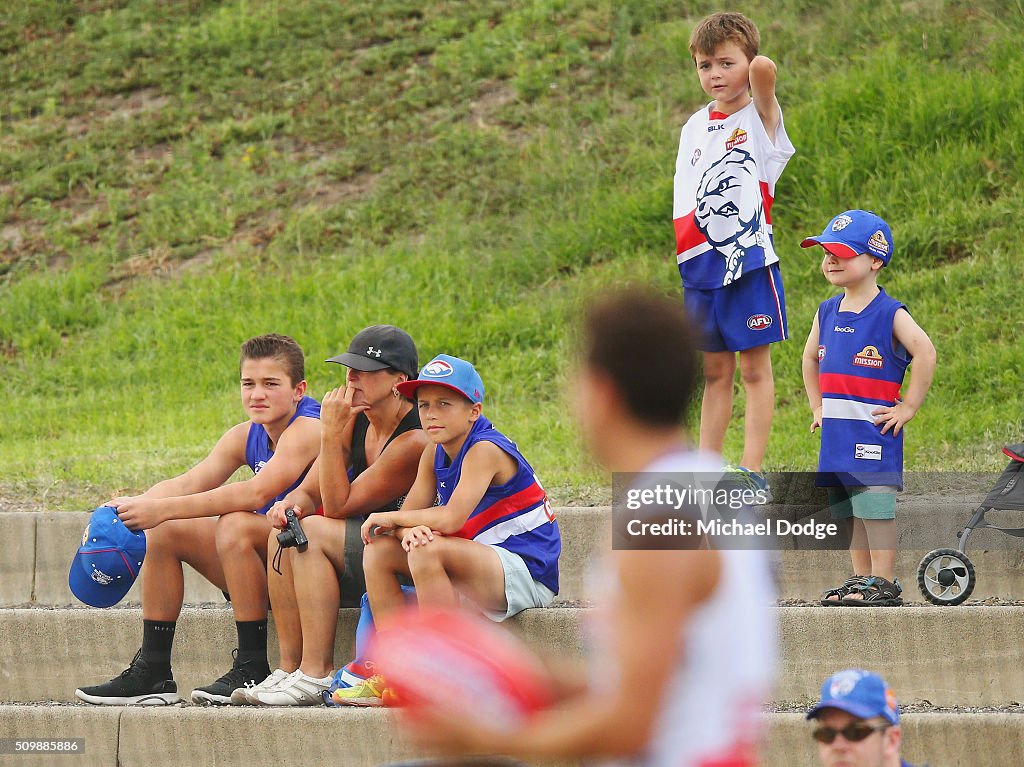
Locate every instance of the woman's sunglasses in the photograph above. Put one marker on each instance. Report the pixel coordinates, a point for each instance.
(853, 732)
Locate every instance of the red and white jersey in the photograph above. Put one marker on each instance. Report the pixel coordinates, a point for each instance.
(711, 713)
(726, 171)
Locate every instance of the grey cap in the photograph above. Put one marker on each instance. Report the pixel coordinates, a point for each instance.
(378, 347)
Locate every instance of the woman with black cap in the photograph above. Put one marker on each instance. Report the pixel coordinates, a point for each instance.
(370, 449)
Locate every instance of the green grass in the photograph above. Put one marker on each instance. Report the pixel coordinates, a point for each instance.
(178, 176)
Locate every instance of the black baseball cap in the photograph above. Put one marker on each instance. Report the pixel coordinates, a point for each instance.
(378, 347)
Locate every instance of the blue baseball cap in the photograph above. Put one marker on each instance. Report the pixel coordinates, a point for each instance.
(450, 372)
(861, 693)
(108, 561)
(854, 232)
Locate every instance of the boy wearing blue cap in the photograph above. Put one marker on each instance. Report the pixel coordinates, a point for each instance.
(476, 522)
(732, 153)
(854, 362)
(191, 519)
(858, 721)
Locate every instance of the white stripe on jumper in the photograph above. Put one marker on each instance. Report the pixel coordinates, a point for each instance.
(848, 410)
(529, 520)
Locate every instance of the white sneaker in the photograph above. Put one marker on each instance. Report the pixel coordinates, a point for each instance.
(295, 690)
(243, 695)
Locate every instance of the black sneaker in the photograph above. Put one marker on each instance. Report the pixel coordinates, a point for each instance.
(135, 686)
(245, 672)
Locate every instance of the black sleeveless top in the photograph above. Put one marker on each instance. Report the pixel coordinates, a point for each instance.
(359, 465)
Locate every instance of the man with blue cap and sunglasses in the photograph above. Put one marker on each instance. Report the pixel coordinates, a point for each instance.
(858, 722)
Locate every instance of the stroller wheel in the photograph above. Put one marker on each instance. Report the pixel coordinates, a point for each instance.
(946, 577)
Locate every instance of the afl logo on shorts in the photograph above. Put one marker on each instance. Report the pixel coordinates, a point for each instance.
(759, 322)
(437, 369)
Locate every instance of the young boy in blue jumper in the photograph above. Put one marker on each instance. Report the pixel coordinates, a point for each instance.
(857, 354)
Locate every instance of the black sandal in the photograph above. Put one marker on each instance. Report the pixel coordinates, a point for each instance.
(851, 584)
(876, 592)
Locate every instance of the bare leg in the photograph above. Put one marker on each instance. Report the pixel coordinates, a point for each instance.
(446, 567)
(242, 547)
(286, 610)
(315, 572)
(756, 372)
(881, 535)
(383, 559)
(167, 546)
(716, 406)
(860, 553)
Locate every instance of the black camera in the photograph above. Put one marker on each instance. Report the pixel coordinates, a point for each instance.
(293, 534)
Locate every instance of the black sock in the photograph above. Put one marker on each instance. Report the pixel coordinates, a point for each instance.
(252, 639)
(157, 638)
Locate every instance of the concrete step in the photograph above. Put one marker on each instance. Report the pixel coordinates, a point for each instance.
(48, 652)
(34, 569)
(40, 546)
(176, 735)
(943, 656)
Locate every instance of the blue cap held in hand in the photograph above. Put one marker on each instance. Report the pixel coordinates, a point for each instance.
(108, 561)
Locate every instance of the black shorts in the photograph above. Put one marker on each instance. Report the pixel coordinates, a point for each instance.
(352, 582)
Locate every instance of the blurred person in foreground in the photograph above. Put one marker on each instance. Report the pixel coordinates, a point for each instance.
(858, 722)
(684, 640)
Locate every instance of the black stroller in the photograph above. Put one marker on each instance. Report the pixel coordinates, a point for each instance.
(946, 576)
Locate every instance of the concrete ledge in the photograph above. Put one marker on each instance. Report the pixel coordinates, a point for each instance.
(162, 737)
(946, 656)
(97, 726)
(47, 653)
(37, 568)
(248, 736)
(18, 564)
(37, 571)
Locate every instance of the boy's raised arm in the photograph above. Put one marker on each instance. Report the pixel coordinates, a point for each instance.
(762, 88)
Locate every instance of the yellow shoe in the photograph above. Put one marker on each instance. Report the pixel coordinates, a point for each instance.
(369, 692)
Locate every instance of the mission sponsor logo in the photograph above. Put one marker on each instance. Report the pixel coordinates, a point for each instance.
(737, 137)
(879, 243)
(868, 357)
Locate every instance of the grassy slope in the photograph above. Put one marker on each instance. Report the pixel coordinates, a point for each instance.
(175, 177)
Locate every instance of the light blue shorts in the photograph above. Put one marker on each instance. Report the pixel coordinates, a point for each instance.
(521, 590)
(863, 502)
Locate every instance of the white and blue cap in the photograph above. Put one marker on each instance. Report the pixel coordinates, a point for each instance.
(861, 693)
(108, 561)
(854, 232)
(450, 372)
